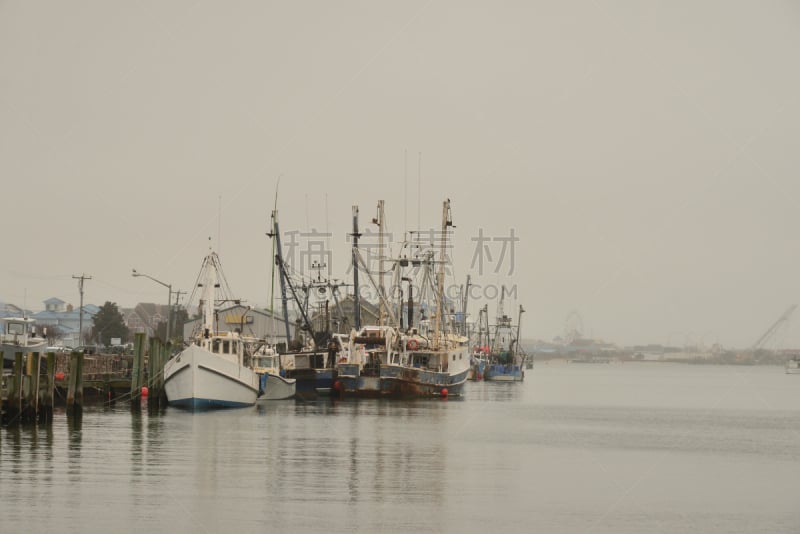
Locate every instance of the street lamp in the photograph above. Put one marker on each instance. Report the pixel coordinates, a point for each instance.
(169, 298)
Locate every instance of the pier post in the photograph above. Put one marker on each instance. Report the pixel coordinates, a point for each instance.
(75, 389)
(15, 392)
(46, 395)
(30, 402)
(137, 370)
(152, 363)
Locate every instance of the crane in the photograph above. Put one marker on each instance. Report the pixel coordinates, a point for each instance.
(782, 320)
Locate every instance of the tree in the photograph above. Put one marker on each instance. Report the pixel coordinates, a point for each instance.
(109, 323)
(54, 333)
(179, 317)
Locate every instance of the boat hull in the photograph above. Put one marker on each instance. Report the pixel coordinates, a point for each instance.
(312, 383)
(199, 380)
(353, 383)
(504, 373)
(276, 387)
(399, 381)
(10, 349)
(396, 381)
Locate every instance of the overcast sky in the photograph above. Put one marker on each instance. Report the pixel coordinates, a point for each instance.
(645, 154)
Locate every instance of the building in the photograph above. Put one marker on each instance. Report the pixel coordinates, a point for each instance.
(145, 318)
(342, 316)
(63, 322)
(9, 310)
(251, 322)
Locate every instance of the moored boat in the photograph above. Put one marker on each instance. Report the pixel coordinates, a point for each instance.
(793, 365)
(272, 385)
(402, 358)
(19, 335)
(506, 360)
(211, 372)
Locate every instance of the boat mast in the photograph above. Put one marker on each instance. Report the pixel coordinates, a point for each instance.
(379, 220)
(464, 308)
(356, 303)
(440, 275)
(279, 260)
(519, 326)
(272, 274)
(209, 290)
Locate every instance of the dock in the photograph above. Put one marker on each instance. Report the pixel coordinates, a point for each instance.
(39, 381)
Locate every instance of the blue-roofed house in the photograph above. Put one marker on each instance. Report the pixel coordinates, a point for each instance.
(63, 321)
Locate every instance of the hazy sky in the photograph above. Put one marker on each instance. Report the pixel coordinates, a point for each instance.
(645, 154)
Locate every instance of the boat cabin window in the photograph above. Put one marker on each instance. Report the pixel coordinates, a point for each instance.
(267, 361)
(420, 360)
(226, 347)
(16, 328)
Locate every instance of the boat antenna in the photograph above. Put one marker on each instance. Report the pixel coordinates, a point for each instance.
(419, 193)
(219, 224)
(405, 192)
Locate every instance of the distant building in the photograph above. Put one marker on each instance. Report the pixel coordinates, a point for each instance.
(9, 310)
(342, 317)
(65, 320)
(251, 322)
(145, 317)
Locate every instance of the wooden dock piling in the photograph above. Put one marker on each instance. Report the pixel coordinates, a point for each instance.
(30, 387)
(14, 401)
(75, 388)
(45, 411)
(137, 371)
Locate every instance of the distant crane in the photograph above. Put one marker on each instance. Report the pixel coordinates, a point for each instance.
(777, 325)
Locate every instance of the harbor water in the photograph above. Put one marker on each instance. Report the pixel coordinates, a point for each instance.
(602, 448)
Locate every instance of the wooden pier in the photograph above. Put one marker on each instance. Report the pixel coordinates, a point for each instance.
(40, 381)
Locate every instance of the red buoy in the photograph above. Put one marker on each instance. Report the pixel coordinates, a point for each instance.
(145, 391)
(444, 392)
(59, 376)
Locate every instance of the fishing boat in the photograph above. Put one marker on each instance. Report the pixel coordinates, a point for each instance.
(479, 358)
(310, 357)
(211, 372)
(401, 358)
(271, 384)
(19, 335)
(793, 365)
(478, 361)
(506, 358)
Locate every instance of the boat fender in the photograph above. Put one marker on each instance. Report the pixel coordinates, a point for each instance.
(412, 344)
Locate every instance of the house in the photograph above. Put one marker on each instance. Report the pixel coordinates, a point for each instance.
(145, 317)
(9, 310)
(63, 322)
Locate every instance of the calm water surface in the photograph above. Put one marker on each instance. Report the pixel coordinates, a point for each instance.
(605, 448)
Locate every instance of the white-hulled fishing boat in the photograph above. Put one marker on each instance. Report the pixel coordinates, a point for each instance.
(19, 335)
(211, 372)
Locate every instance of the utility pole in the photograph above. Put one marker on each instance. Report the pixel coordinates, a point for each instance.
(80, 280)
